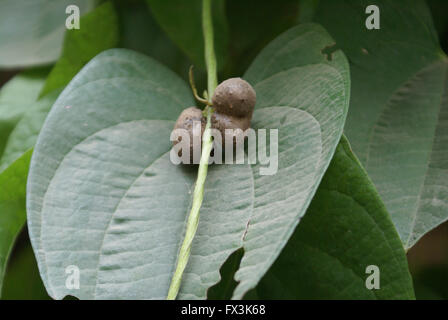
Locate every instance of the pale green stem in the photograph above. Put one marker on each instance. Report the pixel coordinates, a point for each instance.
(210, 59)
(207, 144)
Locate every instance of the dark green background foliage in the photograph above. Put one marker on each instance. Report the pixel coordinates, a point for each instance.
(90, 115)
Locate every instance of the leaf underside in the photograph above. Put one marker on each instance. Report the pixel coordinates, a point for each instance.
(104, 196)
(399, 107)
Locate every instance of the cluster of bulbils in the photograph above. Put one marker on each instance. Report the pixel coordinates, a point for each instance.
(233, 102)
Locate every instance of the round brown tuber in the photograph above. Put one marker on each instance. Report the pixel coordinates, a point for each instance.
(233, 101)
(222, 122)
(234, 97)
(186, 121)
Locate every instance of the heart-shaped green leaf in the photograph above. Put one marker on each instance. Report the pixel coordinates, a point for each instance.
(31, 31)
(398, 115)
(104, 196)
(345, 230)
(293, 75)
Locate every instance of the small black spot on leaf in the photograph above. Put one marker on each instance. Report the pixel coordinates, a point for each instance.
(329, 50)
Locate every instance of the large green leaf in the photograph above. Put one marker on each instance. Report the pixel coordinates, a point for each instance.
(12, 207)
(104, 196)
(31, 31)
(293, 75)
(181, 20)
(398, 116)
(121, 97)
(345, 229)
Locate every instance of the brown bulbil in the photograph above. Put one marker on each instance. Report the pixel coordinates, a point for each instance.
(186, 118)
(233, 101)
(234, 97)
(222, 122)
(185, 121)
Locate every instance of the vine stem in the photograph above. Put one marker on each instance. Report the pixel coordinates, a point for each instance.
(207, 144)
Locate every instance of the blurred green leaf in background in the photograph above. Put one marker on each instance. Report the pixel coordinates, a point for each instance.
(31, 31)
